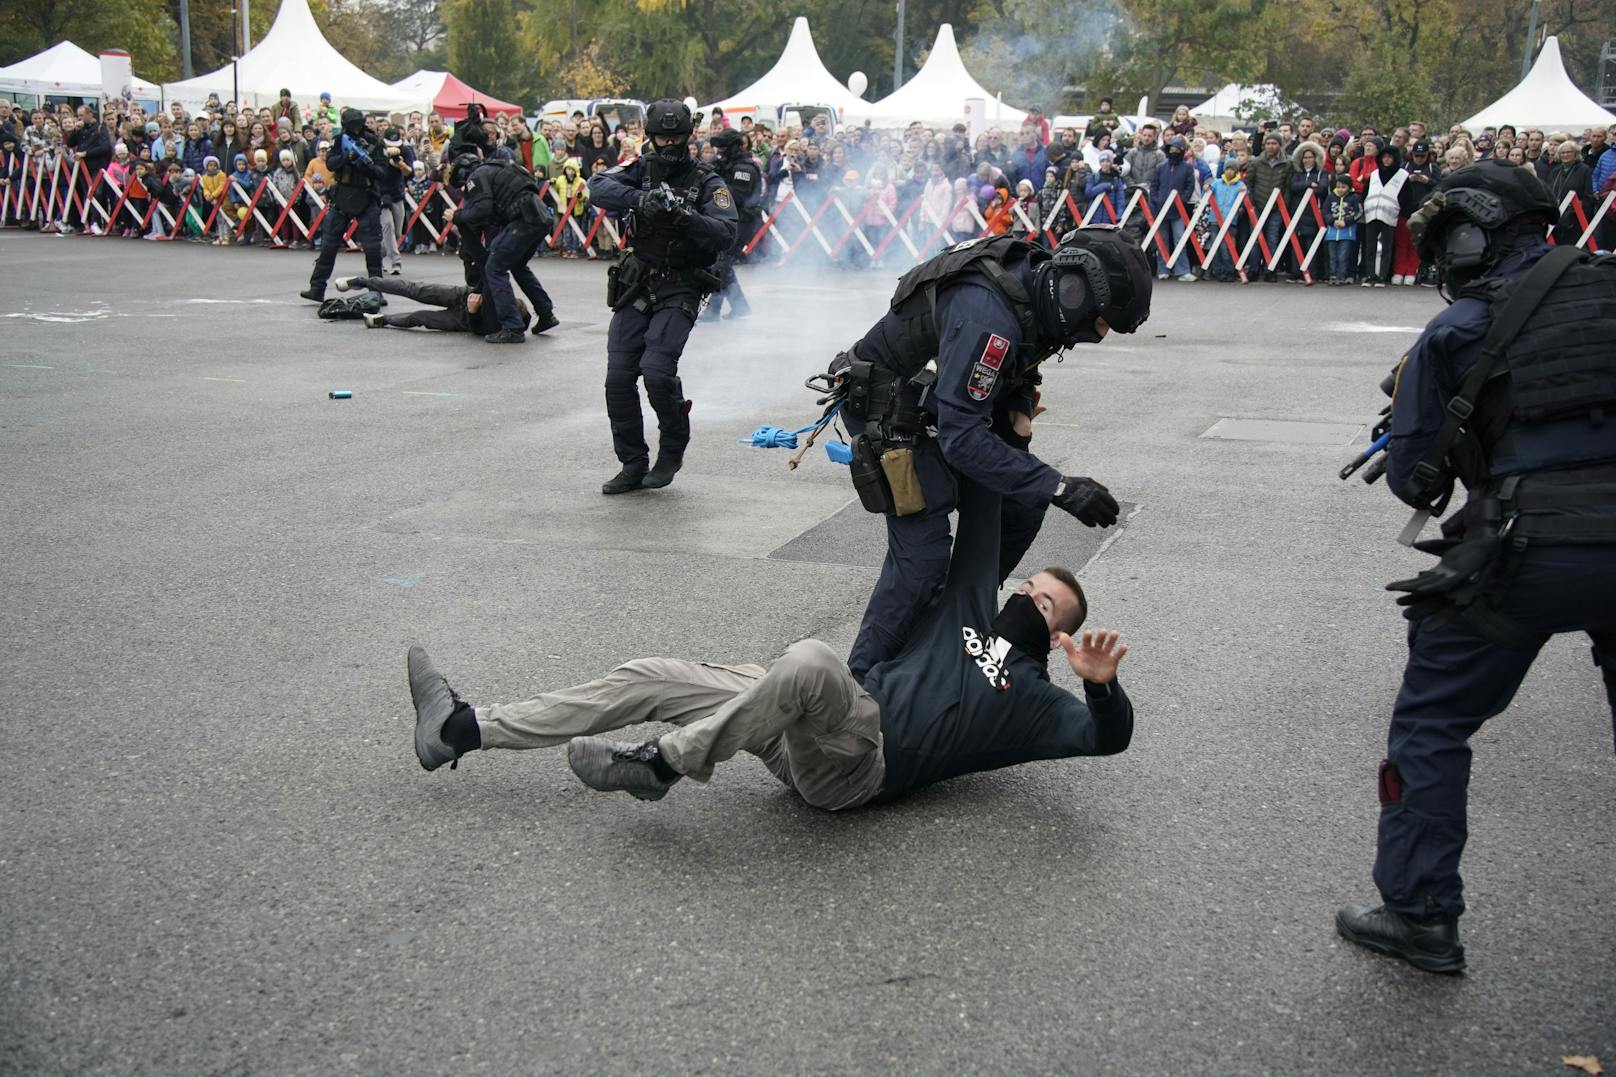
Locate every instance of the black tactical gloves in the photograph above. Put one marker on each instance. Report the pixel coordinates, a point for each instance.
(1086, 499)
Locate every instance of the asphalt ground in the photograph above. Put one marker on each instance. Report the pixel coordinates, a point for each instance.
(219, 854)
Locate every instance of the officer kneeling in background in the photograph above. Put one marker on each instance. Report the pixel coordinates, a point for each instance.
(989, 311)
(680, 217)
(1511, 391)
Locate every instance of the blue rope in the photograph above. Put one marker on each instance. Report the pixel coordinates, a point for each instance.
(772, 437)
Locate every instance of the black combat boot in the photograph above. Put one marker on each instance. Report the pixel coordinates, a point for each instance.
(629, 478)
(506, 336)
(545, 322)
(312, 295)
(1432, 945)
(667, 466)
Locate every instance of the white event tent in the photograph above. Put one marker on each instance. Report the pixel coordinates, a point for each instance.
(295, 55)
(1222, 109)
(1545, 98)
(65, 70)
(938, 93)
(798, 77)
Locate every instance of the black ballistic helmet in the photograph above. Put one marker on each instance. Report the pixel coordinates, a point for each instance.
(1094, 273)
(1466, 226)
(666, 117)
(353, 122)
(727, 142)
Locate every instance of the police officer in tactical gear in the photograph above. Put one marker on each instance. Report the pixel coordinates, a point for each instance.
(1511, 391)
(680, 217)
(745, 182)
(358, 168)
(502, 206)
(989, 311)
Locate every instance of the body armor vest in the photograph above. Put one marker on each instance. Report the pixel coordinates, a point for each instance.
(914, 303)
(1557, 407)
(663, 244)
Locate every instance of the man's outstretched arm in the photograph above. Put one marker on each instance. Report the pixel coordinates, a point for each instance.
(1103, 723)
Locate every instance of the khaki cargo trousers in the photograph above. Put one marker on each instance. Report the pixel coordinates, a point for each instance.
(814, 727)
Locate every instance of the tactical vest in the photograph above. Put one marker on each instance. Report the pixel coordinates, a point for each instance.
(1547, 430)
(742, 179)
(664, 244)
(984, 260)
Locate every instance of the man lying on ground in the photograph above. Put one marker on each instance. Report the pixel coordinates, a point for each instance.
(970, 691)
(463, 310)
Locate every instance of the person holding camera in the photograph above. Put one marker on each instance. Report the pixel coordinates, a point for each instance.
(355, 161)
(681, 217)
(400, 161)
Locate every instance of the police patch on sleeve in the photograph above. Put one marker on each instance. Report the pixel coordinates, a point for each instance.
(985, 372)
(721, 198)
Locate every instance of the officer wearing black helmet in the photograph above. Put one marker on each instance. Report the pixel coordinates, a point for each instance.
(358, 169)
(1511, 391)
(681, 218)
(502, 221)
(988, 311)
(745, 182)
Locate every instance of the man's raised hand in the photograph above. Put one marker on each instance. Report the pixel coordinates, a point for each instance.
(1095, 656)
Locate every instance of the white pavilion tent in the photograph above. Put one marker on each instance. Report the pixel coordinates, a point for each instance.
(1222, 109)
(295, 55)
(939, 93)
(1545, 98)
(65, 70)
(798, 77)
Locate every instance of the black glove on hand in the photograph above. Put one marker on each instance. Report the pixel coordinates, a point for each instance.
(653, 206)
(1461, 566)
(1086, 499)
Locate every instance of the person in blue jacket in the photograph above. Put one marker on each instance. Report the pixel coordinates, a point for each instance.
(970, 692)
(1509, 391)
(681, 217)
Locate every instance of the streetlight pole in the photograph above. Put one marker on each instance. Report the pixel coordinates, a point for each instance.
(246, 26)
(235, 43)
(1531, 35)
(185, 39)
(897, 51)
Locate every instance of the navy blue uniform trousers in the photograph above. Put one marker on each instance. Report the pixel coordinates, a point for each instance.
(918, 548)
(647, 344)
(368, 235)
(508, 257)
(1455, 680)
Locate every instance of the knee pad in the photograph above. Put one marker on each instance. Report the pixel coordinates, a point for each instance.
(1390, 783)
(663, 389)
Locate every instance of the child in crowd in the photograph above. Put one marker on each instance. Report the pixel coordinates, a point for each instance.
(139, 199)
(881, 200)
(1227, 191)
(282, 182)
(1024, 216)
(1342, 211)
(215, 182)
(418, 187)
(238, 192)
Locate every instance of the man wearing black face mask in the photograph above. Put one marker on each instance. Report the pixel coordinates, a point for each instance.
(358, 167)
(971, 692)
(989, 311)
(1509, 391)
(681, 217)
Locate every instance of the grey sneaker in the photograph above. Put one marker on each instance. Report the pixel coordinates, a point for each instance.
(434, 702)
(375, 321)
(342, 284)
(607, 765)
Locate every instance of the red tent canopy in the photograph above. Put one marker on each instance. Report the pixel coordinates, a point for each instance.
(449, 96)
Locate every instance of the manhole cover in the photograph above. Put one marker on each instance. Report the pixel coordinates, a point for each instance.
(1297, 433)
(853, 536)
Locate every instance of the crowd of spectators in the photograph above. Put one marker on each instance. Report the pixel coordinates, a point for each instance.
(1356, 186)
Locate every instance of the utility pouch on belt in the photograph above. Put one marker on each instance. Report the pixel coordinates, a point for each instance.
(899, 467)
(913, 408)
(624, 283)
(614, 288)
(869, 478)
